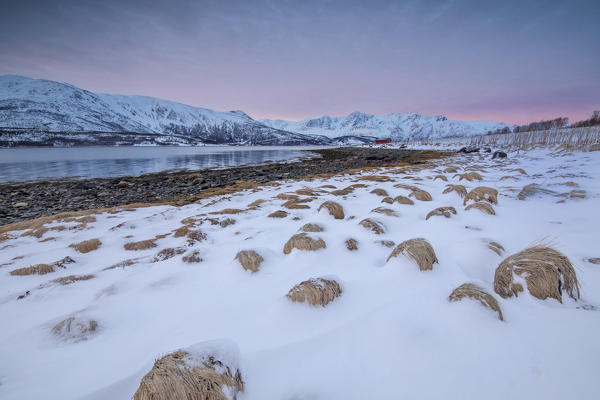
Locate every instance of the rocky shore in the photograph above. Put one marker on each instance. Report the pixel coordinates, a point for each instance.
(19, 202)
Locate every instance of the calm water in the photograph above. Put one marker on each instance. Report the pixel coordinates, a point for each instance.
(29, 164)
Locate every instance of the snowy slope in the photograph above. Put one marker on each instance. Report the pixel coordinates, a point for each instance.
(59, 107)
(395, 126)
(391, 334)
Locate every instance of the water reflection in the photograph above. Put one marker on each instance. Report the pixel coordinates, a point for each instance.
(27, 164)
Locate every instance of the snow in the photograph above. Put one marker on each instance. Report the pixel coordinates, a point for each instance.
(396, 126)
(60, 107)
(392, 333)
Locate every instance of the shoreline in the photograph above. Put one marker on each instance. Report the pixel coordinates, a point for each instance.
(29, 200)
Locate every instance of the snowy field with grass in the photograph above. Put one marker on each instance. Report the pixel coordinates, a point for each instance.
(89, 302)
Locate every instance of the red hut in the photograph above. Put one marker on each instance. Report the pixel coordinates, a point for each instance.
(383, 141)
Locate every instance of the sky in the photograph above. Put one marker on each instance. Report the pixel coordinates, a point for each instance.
(510, 61)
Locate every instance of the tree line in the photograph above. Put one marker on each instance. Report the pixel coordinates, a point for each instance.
(560, 122)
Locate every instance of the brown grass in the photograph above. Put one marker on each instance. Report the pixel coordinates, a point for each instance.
(546, 271)
(442, 212)
(471, 291)
(379, 192)
(302, 241)
(42, 269)
(421, 195)
(87, 245)
(469, 176)
(141, 245)
(122, 264)
(519, 170)
(315, 291)
(386, 243)
(386, 211)
(459, 189)
(571, 183)
(375, 178)
(294, 204)
(388, 200)
(336, 210)
(173, 378)
(249, 259)
(356, 186)
(287, 196)
(328, 187)
(307, 192)
(341, 192)
(193, 257)
(180, 232)
(67, 280)
(442, 177)
(278, 214)
(168, 253)
(482, 206)
(532, 190)
(312, 228)
(371, 225)
(450, 170)
(352, 244)
(496, 248)
(256, 203)
(482, 193)
(505, 177)
(419, 250)
(403, 200)
(228, 211)
(75, 329)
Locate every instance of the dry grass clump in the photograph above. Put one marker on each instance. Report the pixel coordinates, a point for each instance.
(293, 204)
(356, 186)
(67, 280)
(141, 245)
(419, 250)
(312, 228)
(450, 170)
(181, 231)
(388, 200)
(307, 192)
(386, 243)
(482, 206)
(228, 211)
(168, 253)
(379, 192)
(403, 200)
(386, 211)
(122, 264)
(577, 194)
(442, 212)
(532, 190)
(195, 236)
(496, 247)
(519, 170)
(421, 195)
(315, 291)
(505, 177)
(595, 260)
(371, 225)
(459, 189)
(87, 245)
(193, 257)
(482, 193)
(546, 271)
(375, 178)
(249, 259)
(256, 203)
(42, 269)
(287, 196)
(469, 176)
(334, 209)
(474, 292)
(442, 177)
(302, 241)
(341, 192)
(352, 244)
(179, 375)
(75, 329)
(328, 187)
(278, 214)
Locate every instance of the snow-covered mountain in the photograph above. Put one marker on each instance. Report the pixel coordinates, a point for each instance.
(395, 126)
(51, 112)
(44, 106)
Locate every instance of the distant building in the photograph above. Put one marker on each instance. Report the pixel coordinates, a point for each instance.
(383, 141)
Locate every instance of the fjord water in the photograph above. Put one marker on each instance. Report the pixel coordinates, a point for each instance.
(37, 163)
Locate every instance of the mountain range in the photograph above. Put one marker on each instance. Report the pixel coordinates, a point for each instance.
(36, 111)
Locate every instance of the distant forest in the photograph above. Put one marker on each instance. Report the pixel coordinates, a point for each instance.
(560, 122)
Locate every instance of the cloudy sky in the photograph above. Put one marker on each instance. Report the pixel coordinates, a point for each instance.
(512, 61)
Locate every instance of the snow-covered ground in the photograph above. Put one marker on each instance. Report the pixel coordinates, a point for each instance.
(391, 334)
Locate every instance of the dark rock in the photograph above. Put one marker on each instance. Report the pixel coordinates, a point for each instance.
(498, 154)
